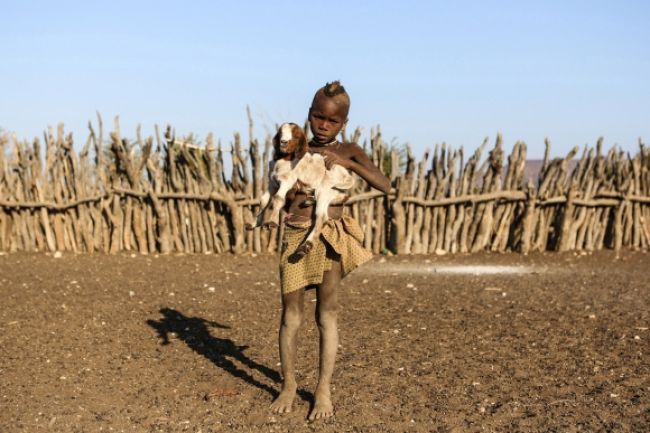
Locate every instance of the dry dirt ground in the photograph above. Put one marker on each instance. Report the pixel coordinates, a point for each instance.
(508, 343)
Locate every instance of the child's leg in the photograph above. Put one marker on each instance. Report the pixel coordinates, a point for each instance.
(292, 312)
(326, 311)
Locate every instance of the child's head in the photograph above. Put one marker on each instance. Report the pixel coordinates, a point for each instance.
(328, 113)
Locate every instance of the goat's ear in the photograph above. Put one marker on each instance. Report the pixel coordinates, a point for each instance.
(276, 144)
(276, 138)
(301, 149)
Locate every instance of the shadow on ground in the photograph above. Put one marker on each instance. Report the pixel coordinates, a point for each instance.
(195, 332)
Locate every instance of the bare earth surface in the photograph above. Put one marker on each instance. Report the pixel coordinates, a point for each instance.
(550, 343)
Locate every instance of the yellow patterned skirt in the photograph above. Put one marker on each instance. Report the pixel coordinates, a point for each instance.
(339, 238)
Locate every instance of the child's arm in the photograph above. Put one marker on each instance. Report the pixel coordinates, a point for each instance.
(359, 163)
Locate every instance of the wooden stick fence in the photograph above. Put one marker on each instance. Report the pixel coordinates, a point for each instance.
(164, 194)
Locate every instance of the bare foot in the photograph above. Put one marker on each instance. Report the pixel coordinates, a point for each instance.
(283, 403)
(322, 407)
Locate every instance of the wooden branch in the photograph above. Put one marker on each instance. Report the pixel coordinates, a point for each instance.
(610, 199)
(49, 205)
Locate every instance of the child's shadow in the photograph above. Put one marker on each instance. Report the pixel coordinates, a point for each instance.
(194, 331)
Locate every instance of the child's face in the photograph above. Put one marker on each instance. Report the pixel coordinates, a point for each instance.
(326, 119)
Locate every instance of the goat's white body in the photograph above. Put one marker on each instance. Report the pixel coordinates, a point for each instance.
(310, 170)
(328, 186)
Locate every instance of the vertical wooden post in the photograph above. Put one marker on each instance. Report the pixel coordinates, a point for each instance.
(529, 218)
(567, 220)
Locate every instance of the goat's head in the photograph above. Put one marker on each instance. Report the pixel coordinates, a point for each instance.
(290, 141)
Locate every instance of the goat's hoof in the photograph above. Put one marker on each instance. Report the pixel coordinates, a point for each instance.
(270, 225)
(309, 202)
(304, 249)
(249, 226)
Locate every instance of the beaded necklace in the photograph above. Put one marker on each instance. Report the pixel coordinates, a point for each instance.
(329, 144)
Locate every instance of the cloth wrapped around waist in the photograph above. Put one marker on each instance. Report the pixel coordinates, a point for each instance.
(339, 238)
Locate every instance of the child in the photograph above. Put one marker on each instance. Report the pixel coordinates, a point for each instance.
(338, 251)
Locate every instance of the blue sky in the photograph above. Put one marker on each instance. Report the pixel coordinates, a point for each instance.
(427, 72)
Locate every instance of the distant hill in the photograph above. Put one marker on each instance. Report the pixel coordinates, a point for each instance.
(533, 167)
(531, 171)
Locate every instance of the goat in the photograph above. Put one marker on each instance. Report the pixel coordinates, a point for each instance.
(293, 164)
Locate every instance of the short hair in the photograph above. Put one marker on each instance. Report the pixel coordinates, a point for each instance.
(335, 91)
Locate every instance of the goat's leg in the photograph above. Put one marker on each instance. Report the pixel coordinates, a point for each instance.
(308, 202)
(323, 200)
(277, 203)
(340, 198)
(264, 205)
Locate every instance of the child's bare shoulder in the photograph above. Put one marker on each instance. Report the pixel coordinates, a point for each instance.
(351, 148)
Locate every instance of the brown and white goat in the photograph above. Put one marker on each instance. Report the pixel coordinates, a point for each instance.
(292, 164)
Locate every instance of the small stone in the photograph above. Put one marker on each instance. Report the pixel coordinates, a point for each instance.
(410, 285)
(211, 289)
(58, 255)
(440, 252)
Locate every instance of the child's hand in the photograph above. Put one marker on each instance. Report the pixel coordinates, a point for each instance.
(332, 158)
